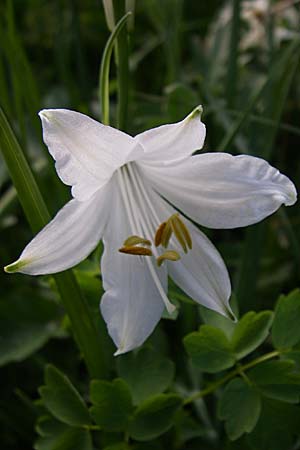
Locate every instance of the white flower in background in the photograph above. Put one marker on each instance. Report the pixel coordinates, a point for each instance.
(255, 15)
(123, 188)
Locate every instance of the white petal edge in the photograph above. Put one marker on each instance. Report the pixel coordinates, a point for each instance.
(68, 239)
(132, 304)
(171, 142)
(201, 273)
(219, 190)
(86, 152)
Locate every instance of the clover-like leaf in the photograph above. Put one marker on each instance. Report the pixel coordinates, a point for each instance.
(286, 329)
(62, 399)
(239, 406)
(59, 436)
(112, 404)
(209, 349)
(154, 417)
(250, 331)
(147, 373)
(277, 380)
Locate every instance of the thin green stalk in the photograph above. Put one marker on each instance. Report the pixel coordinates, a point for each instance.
(104, 70)
(280, 79)
(83, 326)
(121, 51)
(230, 136)
(233, 53)
(236, 371)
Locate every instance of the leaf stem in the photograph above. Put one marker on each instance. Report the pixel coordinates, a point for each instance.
(237, 371)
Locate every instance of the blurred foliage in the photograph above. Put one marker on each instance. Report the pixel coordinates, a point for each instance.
(181, 54)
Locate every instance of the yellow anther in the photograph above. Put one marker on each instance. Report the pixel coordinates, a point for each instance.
(134, 250)
(176, 228)
(159, 233)
(185, 232)
(170, 255)
(173, 225)
(136, 240)
(166, 235)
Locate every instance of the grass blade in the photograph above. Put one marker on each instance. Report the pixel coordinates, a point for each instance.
(85, 332)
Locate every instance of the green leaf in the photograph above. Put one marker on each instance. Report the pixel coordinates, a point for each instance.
(147, 373)
(57, 436)
(26, 324)
(112, 404)
(276, 427)
(154, 417)
(240, 407)
(216, 320)
(62, 399)
(209, 349)
(286, 329)
(277, 380)
(250, 332)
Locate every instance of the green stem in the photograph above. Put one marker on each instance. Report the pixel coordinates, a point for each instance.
(104, 70)
(237, 371)
(121, 50)
(233, 53)
(85, 332)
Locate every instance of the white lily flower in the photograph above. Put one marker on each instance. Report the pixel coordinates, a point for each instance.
(123, 188)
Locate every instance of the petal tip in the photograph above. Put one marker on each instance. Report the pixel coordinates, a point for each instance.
(17, 266)
(46, 114)
(196, 112)
(292, 198)
(13, 267)
(230, 314)
(119, 352)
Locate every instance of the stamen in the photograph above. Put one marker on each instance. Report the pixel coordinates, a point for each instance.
(178, 232)
(134, 250)
(184, 231)
(159, 233)
(136, 240)
(170, 255)
(166, 236)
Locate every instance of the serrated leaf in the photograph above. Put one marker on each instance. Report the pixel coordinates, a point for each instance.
(286, 329)
(147, 373)
(251, 330)
(240, 407)
(277, 380)
(55, 435)
(112, 404)
(154, 417)
(209, 349)
(62, 399)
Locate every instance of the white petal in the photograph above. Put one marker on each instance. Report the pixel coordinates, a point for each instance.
(86, 152)
(173, 141)
(69, 238)
(219, 190)
(201, 273)
(132, 304)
